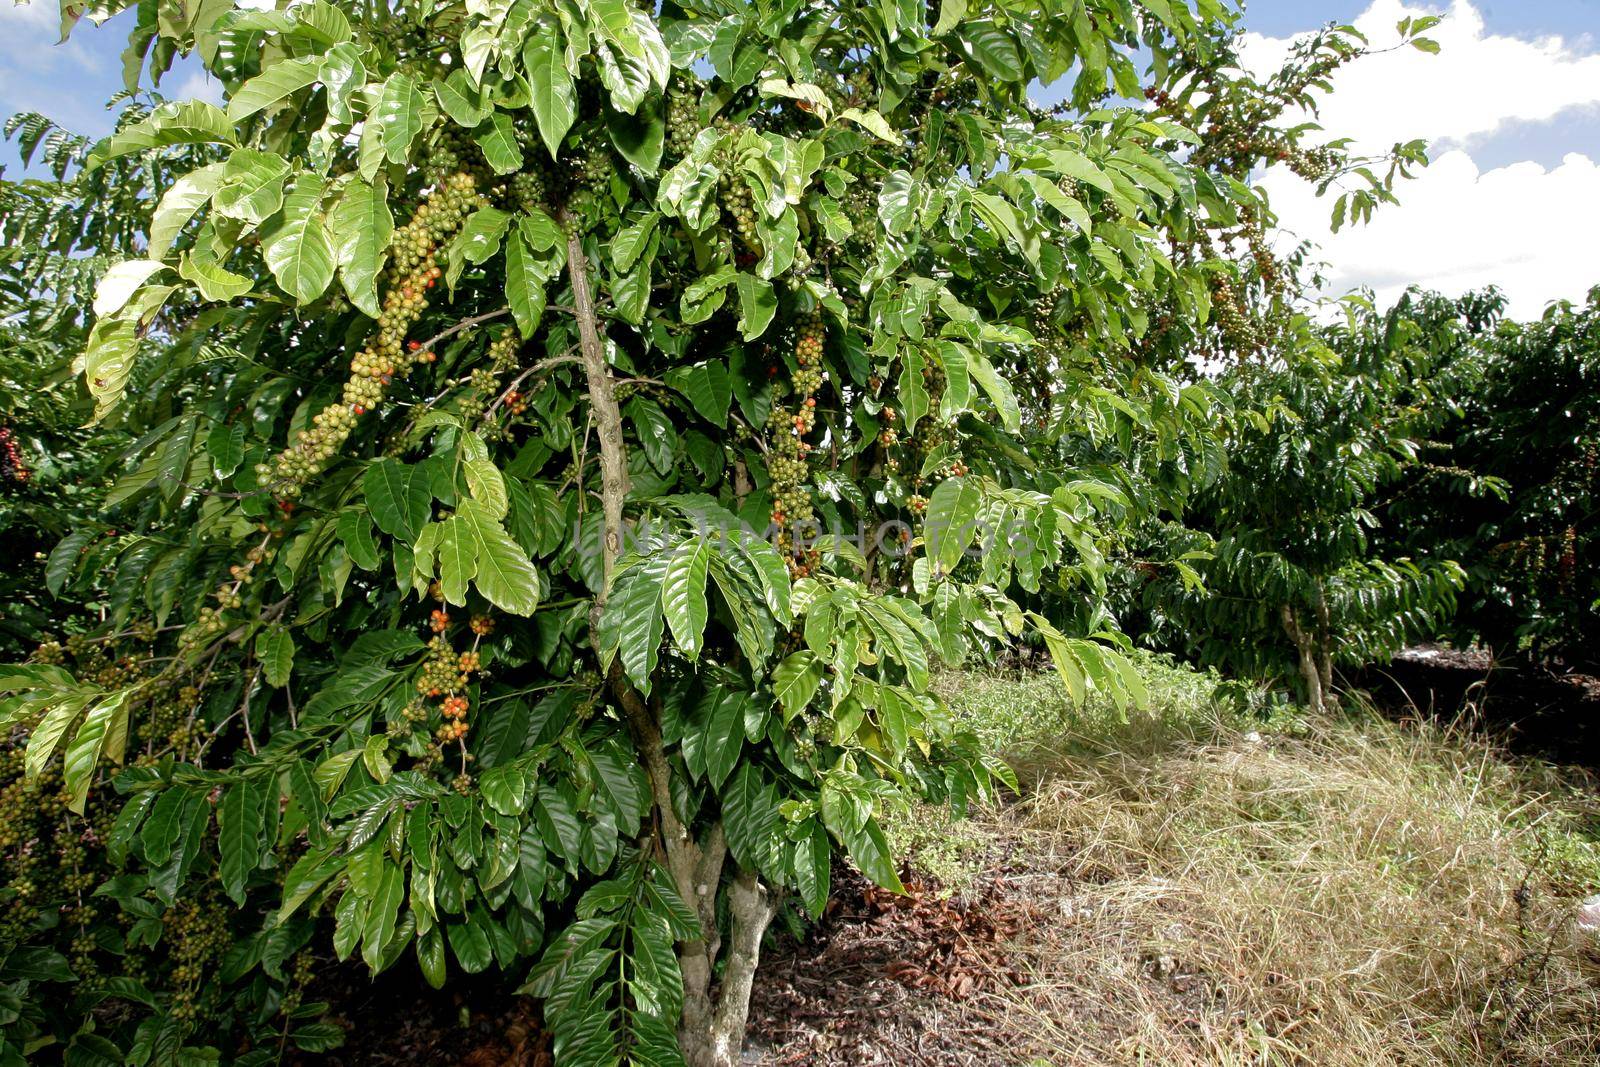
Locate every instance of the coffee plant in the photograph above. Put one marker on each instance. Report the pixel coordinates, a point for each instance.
(1510, 470)
(1284, 578)
(556, 442)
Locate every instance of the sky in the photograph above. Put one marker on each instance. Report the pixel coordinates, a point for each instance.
(1510, 107)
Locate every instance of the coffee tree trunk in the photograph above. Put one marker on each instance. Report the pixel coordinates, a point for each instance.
(1306, 648)
(711, 1031)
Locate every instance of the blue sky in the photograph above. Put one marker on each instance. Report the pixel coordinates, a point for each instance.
(1511, 108)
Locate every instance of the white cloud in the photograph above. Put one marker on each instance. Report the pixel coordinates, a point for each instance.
(1476, 84)
(1532, 231)
(199, 86)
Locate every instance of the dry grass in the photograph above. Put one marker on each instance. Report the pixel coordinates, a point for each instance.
(1353, 892)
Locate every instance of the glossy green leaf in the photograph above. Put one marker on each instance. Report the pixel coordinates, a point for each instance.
(297, 247)
(554, 97)
(683, 595)
(275, 650)
(277, 82)
(361, 225)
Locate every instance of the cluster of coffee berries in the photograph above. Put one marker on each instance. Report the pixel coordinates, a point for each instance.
(1254, 234)
(809, 336)
(529, 189)
(482, 625)
(1238, 330)
(888, 436)
(301, 971)
(412, 271)
(208, 625)
(1159, 97)
(197, 935)
(786, 460)
(683, 118)
(444, 672)
(734, 194)
(1314, 164)
(591, 165)
(49, 862)
(484, 382)
(11, 464)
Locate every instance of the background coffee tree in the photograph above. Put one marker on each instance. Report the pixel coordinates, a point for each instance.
(457, 345)
(1286, 540)
(1509, 471)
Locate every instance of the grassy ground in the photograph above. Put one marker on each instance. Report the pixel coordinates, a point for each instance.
(1203, 886)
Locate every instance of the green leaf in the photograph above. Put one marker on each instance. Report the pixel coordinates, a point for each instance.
(750, 817)
(117, 285)
(503, 574)
(640, 138)
(872, 122)
(361, 225)
(950, 522)
(104, 728)
(282, 79)
(343, 75)
(298, 249)
(896, 210)
(998, 388)
(399, 115)
(309, 874)
(108, 359)
(870, 851)
(241, 823)
(554, 98)
(657, 436)
(724, 738)
(477, 242)
(683, 594)
(214, 281)
(913, 394)
(47, 735)
(275, 650)
(398, 498)
(708, 387)
(381, 916)
(951, 14)
(757, 304)
(430, 957)
(251, 189)
(458, 559)
(630, 242)
(993, 49)
(813, 861)
(526, 276)
(487, 486)
(460, 99)
(470, 943)
(795, 682)
(179, 203)
(499, 143)
(181, 122)
(633, 621)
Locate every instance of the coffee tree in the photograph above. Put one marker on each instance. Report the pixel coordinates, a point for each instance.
(564, 438)
(1284, 541)
(1511, 463)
